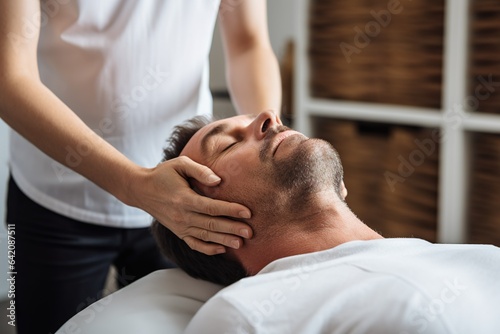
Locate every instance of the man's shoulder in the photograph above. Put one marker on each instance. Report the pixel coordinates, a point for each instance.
(380, 287)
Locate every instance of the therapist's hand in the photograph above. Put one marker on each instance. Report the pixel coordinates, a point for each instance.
(164, 192)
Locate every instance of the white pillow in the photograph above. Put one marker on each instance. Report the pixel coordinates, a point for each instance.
(162, 302)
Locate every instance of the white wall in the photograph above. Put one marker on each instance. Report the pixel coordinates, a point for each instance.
(281, 17)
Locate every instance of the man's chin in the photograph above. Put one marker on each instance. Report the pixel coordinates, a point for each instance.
(310, 166)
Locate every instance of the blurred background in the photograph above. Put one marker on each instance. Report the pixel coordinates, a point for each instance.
(406, 91)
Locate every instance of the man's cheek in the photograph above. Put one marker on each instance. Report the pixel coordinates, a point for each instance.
(221, 191)
(212, 192)
(215, 192)
(200, 188)
(230, 171)
(232, 178)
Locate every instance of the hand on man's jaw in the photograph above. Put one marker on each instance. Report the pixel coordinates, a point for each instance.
(296, 199)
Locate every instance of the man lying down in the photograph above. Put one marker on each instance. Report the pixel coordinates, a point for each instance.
(312, 266)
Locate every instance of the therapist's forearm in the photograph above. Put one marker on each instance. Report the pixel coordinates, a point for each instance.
(33, 111)
(254, 81)
(38, 115)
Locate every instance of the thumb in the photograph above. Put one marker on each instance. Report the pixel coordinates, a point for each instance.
(201, 173)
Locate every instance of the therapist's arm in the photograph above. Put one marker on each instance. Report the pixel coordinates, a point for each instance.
(33, 111)
(252, 70)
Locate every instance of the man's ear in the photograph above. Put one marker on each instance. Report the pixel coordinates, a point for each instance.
(343, 190)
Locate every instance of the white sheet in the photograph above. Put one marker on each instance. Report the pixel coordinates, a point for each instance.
(162, 302)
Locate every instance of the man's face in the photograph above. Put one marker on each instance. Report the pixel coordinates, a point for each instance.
(263, 164)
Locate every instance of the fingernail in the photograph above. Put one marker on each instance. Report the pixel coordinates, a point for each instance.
(244, 233)
(220, 250)
(213, 178)
(235, 244)
(245, 214)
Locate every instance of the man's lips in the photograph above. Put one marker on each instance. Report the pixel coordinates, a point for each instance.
(273, 139)
(280, 137)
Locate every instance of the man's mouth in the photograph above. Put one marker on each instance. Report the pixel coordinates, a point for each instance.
(280, 137)
(273, 139)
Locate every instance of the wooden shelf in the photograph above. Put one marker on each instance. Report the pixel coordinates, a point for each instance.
(452, 119)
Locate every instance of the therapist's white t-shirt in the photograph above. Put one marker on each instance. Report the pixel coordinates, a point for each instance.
(131, 70)
(398, 286)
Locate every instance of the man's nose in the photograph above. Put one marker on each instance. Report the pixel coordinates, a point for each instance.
(263, 122)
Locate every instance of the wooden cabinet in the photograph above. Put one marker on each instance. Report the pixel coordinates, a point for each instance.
(387, 82)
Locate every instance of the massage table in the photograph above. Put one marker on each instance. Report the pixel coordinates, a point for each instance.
(161, 302)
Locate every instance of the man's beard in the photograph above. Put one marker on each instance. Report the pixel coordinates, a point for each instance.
(313, 166)
(285, 186)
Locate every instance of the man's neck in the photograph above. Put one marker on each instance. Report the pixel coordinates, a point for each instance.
(322, 227)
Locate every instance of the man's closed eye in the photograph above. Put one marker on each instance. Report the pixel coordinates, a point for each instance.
(229, 146)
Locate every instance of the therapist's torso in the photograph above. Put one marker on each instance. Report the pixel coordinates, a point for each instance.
(131, 70)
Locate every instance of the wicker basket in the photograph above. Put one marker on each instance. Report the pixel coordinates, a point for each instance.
(369, 152)
(484, 199)
(357, 53)
(400, 62)
(484, 59)
(410, 190)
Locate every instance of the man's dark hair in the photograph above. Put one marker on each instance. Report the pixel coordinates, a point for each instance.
(220, 269)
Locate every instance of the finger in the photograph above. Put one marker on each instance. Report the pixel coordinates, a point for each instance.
(216, 208)
(219, 230)
(204, 247)
(188, 168)
(222, 239)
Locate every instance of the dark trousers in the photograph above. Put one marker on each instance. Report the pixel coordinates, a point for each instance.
(62, 264)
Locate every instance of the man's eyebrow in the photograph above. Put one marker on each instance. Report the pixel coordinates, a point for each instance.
(205, 141)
